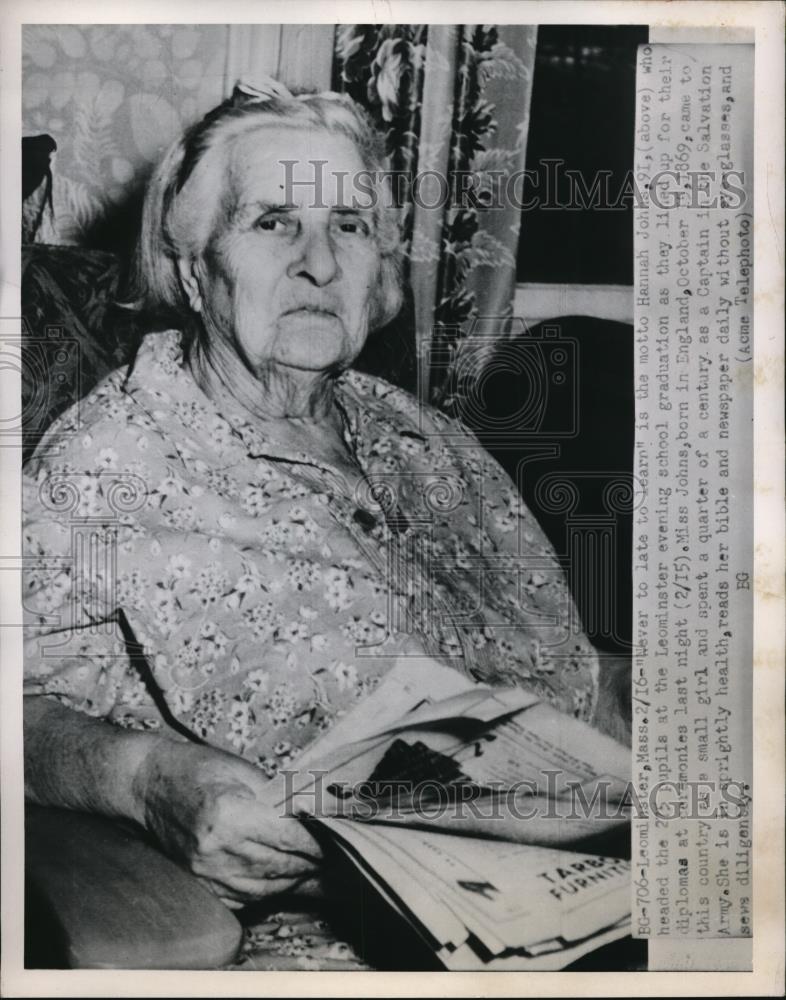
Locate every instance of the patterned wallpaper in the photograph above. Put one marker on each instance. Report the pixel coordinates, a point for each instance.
(113, 97)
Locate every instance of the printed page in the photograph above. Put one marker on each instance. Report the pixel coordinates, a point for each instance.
(540, 740)
(521, 895)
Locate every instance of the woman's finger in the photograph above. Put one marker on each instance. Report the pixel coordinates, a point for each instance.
(305, 846)
(232, 904)
(263, 858)
(247, 889)
(226, 867)
(253, 822)
(237, 888)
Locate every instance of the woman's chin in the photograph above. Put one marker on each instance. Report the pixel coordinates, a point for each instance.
(315, 352)
(312, 361)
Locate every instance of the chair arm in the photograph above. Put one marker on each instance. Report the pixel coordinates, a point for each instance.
(105, 898)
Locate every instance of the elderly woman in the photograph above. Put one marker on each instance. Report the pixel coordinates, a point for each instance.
(269, 530)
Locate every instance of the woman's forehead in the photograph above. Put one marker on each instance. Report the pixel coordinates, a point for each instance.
(293, 165)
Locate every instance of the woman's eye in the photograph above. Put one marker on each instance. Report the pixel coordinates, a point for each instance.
(353, 226)
(271, 224)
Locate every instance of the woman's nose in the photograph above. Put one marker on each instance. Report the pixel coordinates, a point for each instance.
(317, 260)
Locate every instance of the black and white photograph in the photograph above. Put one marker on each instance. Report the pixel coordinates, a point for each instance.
(386, 486)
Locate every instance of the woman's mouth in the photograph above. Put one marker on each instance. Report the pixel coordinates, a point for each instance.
(310, 310)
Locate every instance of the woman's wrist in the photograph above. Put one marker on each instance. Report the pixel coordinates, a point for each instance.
(148, 755)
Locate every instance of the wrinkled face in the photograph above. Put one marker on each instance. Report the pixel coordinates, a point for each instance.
(289, 273)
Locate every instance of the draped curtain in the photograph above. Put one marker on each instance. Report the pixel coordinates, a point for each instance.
(453, 103)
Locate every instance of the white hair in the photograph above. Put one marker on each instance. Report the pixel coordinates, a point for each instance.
(183, 199)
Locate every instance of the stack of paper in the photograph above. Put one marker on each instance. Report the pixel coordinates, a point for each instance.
(484, 891)
(485, 904)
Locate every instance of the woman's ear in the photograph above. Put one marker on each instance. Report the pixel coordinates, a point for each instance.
(186, 269)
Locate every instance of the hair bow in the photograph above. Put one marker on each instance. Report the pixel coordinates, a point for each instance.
(258, 93)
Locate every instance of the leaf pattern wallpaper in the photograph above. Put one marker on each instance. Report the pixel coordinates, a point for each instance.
(113, 97)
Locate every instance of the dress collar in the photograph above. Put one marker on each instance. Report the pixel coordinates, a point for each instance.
(158, 376)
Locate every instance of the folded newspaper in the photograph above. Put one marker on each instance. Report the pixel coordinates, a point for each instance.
(443, 805)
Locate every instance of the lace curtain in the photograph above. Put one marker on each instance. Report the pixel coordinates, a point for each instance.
(453, 102)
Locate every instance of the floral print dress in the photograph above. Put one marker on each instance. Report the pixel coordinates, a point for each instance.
(184, 575)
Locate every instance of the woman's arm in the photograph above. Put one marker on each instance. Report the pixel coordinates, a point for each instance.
(78, 762)
(208, 809)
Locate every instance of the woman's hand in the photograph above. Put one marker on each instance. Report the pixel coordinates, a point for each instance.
(214, 813)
